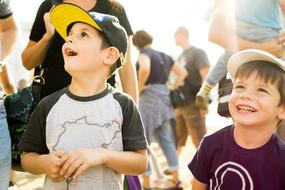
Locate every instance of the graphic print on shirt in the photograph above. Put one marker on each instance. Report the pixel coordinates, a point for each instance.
(87, 134)
(231, 168)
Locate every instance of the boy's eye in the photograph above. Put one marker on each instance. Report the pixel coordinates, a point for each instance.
(83, 34)
(238, 86)
(262, 90)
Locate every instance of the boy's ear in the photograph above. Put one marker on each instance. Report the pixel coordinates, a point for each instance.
(112, 54)
(281, 114)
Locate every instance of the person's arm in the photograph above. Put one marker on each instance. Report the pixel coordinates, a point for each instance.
(181, 73)
(8, 37)
(128, 75)
(282, 5)
(126, 162)
(204, 72)
(35, 52)
(144, 71)
(6, 82)
(197, 185)
(43, 164)
(229, 40)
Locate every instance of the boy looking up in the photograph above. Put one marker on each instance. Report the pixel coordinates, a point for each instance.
(88, 132)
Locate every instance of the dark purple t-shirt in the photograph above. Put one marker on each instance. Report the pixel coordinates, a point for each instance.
(222, 164)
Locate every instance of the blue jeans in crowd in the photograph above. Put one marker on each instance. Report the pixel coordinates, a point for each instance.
(5, 149)
(165, 136)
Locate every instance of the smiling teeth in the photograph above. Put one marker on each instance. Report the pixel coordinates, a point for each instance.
(249, 109)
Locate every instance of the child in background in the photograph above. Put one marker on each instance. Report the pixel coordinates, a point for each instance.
(88, 134)
(247, 154)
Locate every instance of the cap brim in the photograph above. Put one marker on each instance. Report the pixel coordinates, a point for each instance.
(62, 15)
(248, 55)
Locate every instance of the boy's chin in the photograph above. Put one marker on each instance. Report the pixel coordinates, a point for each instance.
(70, 68)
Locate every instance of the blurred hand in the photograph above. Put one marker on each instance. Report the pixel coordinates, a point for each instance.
(274, 46)
(204, 112)
(281, 38)
(49, 27)
(52, 166)
(75, 162)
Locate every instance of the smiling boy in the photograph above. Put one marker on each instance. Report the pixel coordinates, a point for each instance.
(87, 132)
(247, 155)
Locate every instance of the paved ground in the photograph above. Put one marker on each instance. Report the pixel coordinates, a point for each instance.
(27, 181)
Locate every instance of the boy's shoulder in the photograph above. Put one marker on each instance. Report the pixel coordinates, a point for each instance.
(217, 136)
(217, 140)
(49, 101)
(119, 95)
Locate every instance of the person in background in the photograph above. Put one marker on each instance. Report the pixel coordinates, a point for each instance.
(8, 40)
(103, 138)
(242, 29)
(190, 120)
(247, 154)
(153, 72)
(44, 47)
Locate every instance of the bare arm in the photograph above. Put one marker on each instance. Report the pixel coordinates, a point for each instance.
(282, 5)
(204, 71)
(8, 37)
(125, 162)
(6, 82)
(181, 74)
(35, 52)
(197, 185)
(128, 75)
(222, 32)
(144, 71)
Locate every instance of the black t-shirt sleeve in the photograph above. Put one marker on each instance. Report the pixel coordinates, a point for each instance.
(199, 166)
(124, 21)
(132, 127)
(38, 28)
(34, 138)
(201, 59)
(116, 9)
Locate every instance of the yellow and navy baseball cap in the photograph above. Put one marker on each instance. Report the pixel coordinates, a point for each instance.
(248, 55)
(64, 14)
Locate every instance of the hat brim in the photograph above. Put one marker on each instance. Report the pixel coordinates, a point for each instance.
(62, 15)
(248, 55)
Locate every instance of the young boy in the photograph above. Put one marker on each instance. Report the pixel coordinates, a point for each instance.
(247, 155)
(88, 133)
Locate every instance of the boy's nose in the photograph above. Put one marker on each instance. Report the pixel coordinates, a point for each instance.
(69, 39)
(245, 95)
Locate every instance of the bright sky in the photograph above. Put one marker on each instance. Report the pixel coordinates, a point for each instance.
(159, 17)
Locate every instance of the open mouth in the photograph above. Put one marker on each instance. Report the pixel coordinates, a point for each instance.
(70, 52)
(246, 108)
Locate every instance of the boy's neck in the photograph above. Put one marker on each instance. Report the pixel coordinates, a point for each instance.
(88, 87)
(252, 137)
